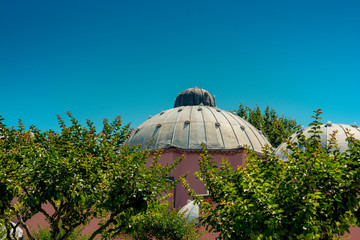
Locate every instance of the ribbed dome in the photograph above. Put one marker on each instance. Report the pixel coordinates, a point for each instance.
(186, 127)
(195, 96)
(325, 137)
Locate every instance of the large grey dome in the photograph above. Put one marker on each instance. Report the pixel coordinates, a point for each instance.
(326, 129)
(186, 127)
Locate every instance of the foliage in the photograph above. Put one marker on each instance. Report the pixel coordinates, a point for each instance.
(163, 222)
(2, 231)
(312, 195)
(6, 194)
(81, 173)
(274, 127)
(10, 231)
(44, 233)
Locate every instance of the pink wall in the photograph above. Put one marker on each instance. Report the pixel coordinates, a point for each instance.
(191, 164)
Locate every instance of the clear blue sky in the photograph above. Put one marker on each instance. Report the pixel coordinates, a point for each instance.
(100, 59)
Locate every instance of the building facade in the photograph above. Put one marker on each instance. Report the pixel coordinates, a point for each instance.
(195, 120)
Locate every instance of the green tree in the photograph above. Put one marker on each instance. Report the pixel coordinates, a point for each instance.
(163, 222)
(276, 128)
(81, 173)
(312, 195)
(44, 233)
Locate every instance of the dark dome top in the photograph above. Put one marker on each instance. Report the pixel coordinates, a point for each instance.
(195, 96)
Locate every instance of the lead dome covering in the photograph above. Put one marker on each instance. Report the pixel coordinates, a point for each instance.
(195, 120)
(341, 134)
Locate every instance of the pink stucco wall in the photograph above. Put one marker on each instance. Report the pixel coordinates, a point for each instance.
(190, 165)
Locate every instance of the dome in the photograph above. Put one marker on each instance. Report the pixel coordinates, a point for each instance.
(195, 96)
(190, 211)
(325, 136)
(187, 127)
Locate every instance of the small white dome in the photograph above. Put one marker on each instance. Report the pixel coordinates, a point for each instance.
(191, 211)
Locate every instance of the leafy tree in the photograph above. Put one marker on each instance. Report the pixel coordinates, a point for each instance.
(312, 195)
(163, 222)
(44, 233)
(274, 127)
(81, 173)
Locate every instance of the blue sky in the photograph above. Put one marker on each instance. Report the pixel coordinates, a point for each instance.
(100, 59)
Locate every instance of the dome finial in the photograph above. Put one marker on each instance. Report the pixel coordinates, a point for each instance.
(195, 96)
(328, 124)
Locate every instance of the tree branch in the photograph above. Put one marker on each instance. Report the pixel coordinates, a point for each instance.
(100, 229)
(21, 220)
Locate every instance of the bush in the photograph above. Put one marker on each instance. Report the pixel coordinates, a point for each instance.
(163, 222)
(44, 233)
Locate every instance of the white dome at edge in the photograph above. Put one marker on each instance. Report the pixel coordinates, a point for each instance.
(340, 131)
